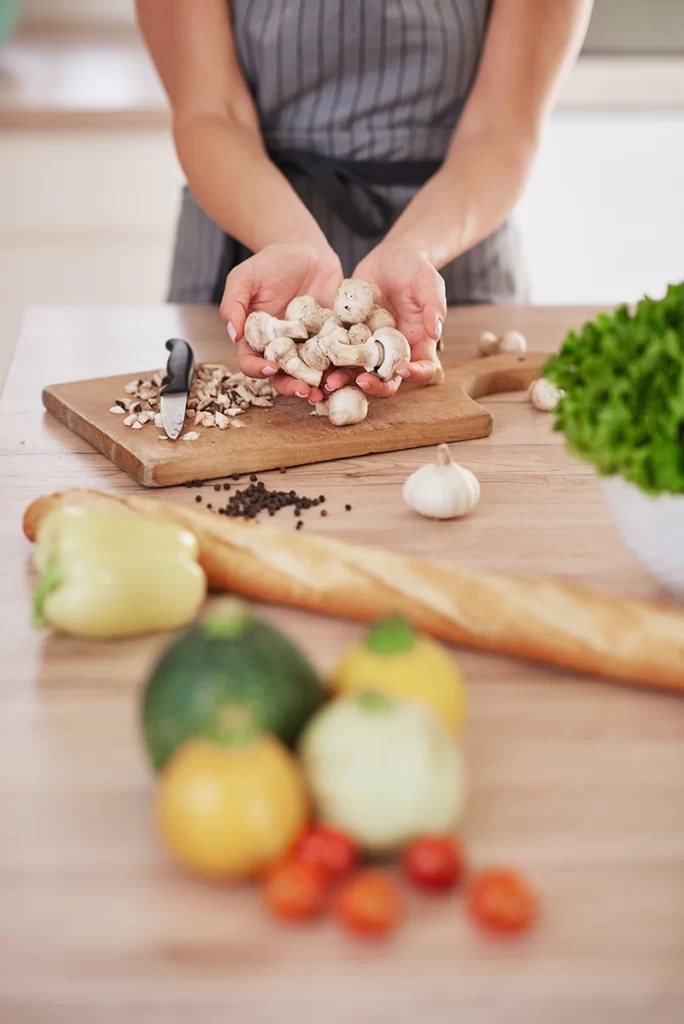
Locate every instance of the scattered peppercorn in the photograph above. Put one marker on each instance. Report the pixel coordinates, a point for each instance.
(323, 512)
(298, 511)
(217, 487)
(348, 508)
(189, 483)
(235, 476)
(226, 487)
(253, 477)
(198, 497)
(300, 524)
(209, 506)
(321, 498)
(282, 470)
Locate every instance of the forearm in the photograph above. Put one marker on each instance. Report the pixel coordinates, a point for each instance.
(471, 195)
(530, 44)
(237, 185)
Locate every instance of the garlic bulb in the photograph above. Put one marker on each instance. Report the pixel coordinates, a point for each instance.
(544, 395)
(443, 490)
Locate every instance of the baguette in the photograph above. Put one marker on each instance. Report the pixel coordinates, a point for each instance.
(541, 620)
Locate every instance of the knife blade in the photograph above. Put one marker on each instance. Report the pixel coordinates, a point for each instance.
(174, 396)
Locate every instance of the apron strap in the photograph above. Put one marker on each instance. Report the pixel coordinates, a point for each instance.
(338, 180)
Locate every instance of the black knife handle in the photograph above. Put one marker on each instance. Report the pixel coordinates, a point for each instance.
(179, 368)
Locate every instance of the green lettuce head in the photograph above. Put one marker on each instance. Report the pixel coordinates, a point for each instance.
(623, 377)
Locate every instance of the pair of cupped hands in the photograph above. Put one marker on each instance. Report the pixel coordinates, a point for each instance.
(410, 288)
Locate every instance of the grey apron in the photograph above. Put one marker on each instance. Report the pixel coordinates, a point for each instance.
(357, 100)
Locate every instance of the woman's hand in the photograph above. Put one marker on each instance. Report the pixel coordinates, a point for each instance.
(268, 281)
(413, 291)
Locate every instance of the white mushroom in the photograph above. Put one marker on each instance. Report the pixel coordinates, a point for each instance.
(512, 341)
(305, 309)
(343, 407)
(380, 318)
(395, 350)
(313, 354)
(262, 328)
(333, 326)
(544, 395)
(358, 334)
(354, 301)
(488, 344)
(367, 355)
(283, 352)
(439, 376)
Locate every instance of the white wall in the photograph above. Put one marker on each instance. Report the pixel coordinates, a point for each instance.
(603, 217)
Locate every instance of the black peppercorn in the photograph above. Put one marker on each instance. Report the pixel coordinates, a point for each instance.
(323, 512)
(198, 497)
(226, 487)
(253, 477)
(217, 487)
(209, 506)
(300, 524)
(348, 508)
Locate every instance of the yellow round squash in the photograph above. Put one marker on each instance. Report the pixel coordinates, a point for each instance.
(227, 812)
(396, 660)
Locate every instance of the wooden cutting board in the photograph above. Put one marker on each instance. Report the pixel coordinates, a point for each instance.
(287, 434)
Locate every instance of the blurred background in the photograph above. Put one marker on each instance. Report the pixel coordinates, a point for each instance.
(89, 182)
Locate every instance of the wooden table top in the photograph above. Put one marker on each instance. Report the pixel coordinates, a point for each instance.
(576, 782)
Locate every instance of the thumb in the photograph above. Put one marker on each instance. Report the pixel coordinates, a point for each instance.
(237, 299)
(432, 298)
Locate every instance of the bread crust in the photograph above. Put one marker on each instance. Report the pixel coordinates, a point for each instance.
(538, 619)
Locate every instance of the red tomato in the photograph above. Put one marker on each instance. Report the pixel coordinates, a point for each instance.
(333, 852)
(433, 862)
(294, 891)
(502, 902)
(370, 904)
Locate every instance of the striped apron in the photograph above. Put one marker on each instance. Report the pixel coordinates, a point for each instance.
(357, 100)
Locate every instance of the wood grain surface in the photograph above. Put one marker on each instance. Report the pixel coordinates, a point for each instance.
(287, 434)
(578, 783)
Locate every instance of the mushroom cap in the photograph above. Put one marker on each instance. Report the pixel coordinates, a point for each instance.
(354, 301)
(346, 406)
(380, 317)
(395, 351)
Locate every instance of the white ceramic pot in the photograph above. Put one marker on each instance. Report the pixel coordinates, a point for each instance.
(652, 528)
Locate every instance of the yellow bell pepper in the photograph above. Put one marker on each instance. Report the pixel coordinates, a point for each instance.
(106, 576)
(396, 660)
(226, 812)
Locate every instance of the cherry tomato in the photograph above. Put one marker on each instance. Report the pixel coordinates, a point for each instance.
(433, 862)
(502, 902)
(294, 891)
(328, 849)
(370, 904)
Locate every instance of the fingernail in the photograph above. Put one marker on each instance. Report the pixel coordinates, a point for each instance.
(232, 333)
(302, 394)
(363, 384)
(269, 371)
(438, 329)
(329, 387)
(405, 373)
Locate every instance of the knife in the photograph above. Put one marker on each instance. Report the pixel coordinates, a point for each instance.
(174, 396)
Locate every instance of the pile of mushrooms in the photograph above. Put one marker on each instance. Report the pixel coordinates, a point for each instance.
(355, 332)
